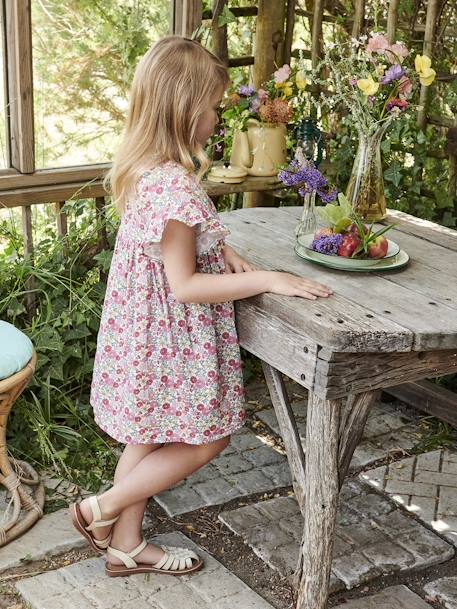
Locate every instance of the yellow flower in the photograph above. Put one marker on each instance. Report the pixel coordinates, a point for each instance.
(368, 86)
(422, 62)
(301, 81)
(286, 87)
(423, 68)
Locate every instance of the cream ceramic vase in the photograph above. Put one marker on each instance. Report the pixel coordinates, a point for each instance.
(261, 150)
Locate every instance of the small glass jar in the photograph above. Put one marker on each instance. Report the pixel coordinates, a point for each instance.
(308, 221)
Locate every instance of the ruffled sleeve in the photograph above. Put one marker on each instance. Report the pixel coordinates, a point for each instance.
(175, 194)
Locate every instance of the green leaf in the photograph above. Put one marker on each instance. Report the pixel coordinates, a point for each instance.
(226, 17)
(393, 173)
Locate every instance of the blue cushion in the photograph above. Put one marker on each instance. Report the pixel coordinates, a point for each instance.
(16, 350)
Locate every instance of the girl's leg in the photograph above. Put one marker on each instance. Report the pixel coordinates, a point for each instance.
(131, 456)
(156, 472)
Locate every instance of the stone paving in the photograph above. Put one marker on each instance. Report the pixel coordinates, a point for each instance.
(84, 585)
(425, 485)
(387, 429)
(444, 591)
(396, 597)
(51, 535)
(246, 467)
(372, 537)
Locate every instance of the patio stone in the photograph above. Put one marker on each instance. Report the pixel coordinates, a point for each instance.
(85, 585)
(372, 537)
(398, 597)
(443, 591)
(248, 466)
(426, 485)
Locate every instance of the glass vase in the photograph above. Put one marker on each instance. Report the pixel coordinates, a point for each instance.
(308, 220)
(365, 189)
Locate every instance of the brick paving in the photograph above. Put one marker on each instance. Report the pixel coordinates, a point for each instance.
(84, 585)
(426, 485)
(396, 597)
(372, 537)
(246, 467)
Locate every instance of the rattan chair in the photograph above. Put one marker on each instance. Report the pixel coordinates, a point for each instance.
(25, 490)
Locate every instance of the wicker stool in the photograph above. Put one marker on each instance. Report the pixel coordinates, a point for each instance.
(14, 474)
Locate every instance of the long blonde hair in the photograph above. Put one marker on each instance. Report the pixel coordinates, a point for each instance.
(173, 81)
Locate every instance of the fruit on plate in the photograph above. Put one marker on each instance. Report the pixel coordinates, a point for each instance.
(378, 248)
(350, 243)
(346, 235)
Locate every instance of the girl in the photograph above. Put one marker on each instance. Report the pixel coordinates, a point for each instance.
(167, 377)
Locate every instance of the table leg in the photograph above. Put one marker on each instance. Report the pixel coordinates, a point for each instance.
(288, 428)
(332, 434)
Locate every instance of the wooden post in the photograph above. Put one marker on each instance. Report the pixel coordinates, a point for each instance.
(27, 231)
(269, 39)
(187, 17)
(101, 223)
(290, 22)
(430, 24)
(20, 86)
(392, 18)
(316, 32)
(219, 34)
(359, 18)
(61, 219)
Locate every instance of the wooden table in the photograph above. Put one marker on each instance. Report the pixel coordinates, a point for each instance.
(376, 331)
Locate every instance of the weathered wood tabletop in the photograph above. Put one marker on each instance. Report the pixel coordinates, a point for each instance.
(376, 331)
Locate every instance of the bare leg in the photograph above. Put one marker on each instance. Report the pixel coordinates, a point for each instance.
(131, 456)
(155, 472)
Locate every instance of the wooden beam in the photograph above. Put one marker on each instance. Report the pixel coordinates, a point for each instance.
(20, 85)
(316, 36)
(429, 397)
(47, 177)
(61, 219)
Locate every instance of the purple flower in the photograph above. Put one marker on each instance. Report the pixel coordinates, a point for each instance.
(222, 132)
(218, 148)
(327, 244)
(255, 105)
(395, 72)
(306, 178)
(246, 91)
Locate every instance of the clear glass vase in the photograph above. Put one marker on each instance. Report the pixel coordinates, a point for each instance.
(365, 189)
(308, 220)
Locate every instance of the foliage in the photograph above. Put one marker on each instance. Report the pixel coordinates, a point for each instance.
(82, 79)
(68, 285)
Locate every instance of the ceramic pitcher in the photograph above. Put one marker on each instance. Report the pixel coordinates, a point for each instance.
(261, 149)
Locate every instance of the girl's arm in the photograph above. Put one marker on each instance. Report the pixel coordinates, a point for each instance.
(187, 285)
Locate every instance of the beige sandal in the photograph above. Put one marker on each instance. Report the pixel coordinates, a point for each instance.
(176, 561)
(99, 545)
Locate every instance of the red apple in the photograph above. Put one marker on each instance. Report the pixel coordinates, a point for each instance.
(354, 229)
(378, 248)
(350, 243)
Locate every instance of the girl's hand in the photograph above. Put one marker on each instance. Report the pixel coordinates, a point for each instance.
(234, 263)
(291, 285)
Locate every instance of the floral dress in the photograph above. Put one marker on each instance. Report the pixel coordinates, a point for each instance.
(166, 371)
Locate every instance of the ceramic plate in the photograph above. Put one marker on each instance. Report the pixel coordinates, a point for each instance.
(384, 264)
(346, 263)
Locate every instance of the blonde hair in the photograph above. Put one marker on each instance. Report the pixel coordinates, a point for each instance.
(173, 81)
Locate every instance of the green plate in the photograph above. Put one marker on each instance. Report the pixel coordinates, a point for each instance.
(389, 264)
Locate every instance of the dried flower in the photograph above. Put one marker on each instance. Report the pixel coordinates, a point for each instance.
(303, 175)
(328, 244)
(282, 74)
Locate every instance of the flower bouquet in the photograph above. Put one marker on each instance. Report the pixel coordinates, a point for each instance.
(374, 80)
(255, 121)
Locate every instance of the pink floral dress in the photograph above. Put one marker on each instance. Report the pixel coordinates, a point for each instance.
(166, 371)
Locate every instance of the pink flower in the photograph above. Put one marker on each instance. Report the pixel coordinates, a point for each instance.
(378, 43)
(262, 95)
(282, 74)
(397, 52)
(405, 87)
